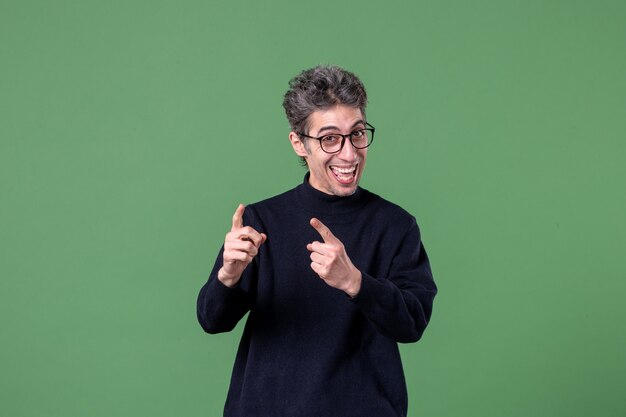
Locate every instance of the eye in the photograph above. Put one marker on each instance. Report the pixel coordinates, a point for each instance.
(358, 133)
(330, 139)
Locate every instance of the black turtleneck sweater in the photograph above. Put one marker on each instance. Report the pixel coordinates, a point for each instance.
(307, 348)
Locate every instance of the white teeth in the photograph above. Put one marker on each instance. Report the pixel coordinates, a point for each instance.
(349, 170)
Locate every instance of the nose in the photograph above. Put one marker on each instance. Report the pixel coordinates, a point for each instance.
(347, 152)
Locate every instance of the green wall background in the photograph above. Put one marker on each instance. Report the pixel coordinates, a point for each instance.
(130, 130)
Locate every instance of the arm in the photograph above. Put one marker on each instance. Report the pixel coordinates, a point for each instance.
(398, 305)
(229, 292)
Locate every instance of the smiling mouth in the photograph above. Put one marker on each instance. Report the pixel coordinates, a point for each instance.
(344, 175)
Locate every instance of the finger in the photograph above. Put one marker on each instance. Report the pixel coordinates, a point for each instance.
(249, 234)
(238, 256)
(241, 246)
(238, 217)
(317, 247)
(317, 258)
(324, 231)
(318, 269)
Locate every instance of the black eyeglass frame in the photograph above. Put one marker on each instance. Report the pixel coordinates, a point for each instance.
(370, 129)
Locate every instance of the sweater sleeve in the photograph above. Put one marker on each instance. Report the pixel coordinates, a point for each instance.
(219, 308)
(400, 304)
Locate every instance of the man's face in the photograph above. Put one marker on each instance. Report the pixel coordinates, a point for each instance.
(339, 173)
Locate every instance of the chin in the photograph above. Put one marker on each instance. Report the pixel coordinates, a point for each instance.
(344, 191)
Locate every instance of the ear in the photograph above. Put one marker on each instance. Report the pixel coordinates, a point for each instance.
(297, 145)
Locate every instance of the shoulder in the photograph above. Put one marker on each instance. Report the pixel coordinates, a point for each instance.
(387, 213)
(386, 207)
(274, 202)
(275, 206)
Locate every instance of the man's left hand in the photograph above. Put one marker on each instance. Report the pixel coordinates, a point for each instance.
(330, 261)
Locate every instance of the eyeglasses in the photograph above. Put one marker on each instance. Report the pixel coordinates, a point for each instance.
(333, 143)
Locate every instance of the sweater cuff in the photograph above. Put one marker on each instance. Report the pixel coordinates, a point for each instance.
(223, 291)
(367, 293)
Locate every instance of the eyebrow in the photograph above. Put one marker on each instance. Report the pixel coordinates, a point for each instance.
(331, 127)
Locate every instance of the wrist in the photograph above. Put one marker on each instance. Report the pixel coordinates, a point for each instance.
(355, 284)
(226, 279)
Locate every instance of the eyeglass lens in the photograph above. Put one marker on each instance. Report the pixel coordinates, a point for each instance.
(334, 143)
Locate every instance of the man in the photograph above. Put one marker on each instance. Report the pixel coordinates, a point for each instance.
(333, 276)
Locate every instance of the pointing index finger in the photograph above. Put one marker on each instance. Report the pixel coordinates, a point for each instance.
(238, 217)
(324, 231)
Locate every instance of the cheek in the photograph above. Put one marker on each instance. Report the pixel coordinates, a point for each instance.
(323, 163)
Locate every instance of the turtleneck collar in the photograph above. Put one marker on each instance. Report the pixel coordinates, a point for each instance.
(318, 202)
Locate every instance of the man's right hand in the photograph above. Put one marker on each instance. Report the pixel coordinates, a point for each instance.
(241, 245)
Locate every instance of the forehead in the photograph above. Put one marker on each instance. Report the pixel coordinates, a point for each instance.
(340, 117)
